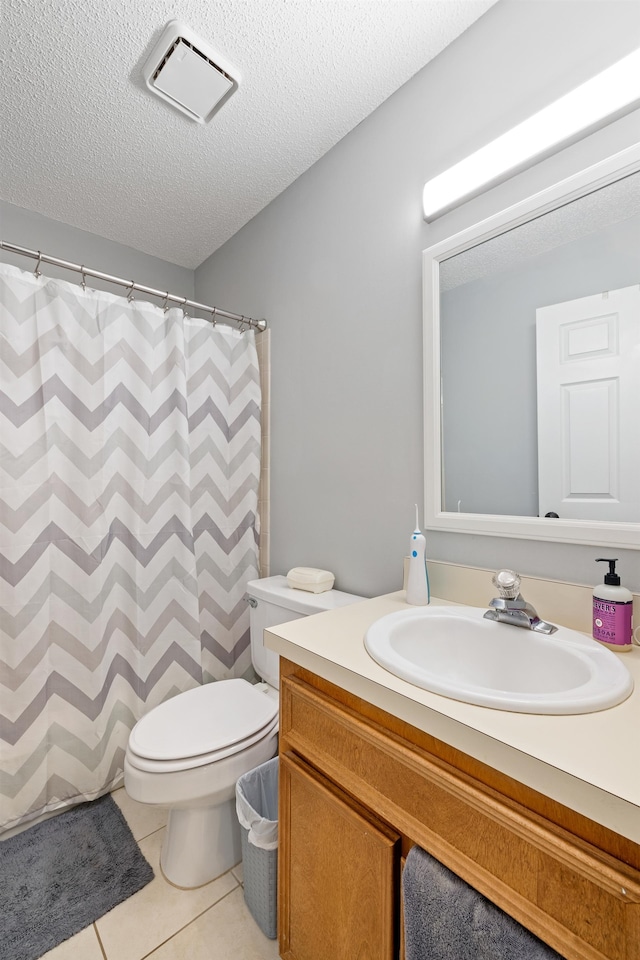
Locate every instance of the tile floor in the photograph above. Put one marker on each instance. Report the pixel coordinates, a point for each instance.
(163, 923)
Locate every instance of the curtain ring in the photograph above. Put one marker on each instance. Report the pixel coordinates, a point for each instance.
(165, 304)
(184, 308)
(130, 293)
(213, 316)
(37, 272)
(242, 324)
(83, 283)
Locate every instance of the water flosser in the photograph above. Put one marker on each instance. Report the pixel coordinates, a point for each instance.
(418, 579)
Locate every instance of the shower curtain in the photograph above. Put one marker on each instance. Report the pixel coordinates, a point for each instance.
(129, 470)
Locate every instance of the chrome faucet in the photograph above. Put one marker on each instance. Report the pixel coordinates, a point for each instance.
(509, 607)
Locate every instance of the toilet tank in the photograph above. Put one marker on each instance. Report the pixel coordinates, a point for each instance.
(273, 601)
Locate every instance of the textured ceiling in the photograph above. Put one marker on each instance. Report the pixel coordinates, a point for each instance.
(85, 143)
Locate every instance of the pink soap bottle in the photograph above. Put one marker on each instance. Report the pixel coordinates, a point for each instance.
(612, 611)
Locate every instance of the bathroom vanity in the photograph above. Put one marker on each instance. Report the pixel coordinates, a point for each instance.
(541, 814)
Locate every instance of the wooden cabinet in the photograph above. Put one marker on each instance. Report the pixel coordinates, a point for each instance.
(359, 787)
(340, 864)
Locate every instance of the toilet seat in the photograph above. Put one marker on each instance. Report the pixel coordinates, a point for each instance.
(190, 763)
(202, 725)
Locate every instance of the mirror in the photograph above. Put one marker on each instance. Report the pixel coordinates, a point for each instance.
(532, 366)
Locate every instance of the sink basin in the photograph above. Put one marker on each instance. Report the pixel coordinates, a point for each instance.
(455, 652)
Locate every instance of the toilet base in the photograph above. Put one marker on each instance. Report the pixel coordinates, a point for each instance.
(200, 844)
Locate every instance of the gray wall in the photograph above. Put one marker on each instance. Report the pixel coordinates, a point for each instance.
(27, 229)
(334, 263)
(489, 325)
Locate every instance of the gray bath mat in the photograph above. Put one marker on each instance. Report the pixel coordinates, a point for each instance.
(62, 874)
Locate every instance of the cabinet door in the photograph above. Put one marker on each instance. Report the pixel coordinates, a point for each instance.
(337, 872)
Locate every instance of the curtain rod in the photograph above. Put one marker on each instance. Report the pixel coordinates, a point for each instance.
(215, 312)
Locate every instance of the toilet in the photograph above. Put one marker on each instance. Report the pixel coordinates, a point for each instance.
(188, 752)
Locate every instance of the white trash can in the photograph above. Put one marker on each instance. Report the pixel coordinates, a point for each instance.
(257, 809)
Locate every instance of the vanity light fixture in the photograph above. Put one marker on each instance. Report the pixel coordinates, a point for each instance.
(602, 98)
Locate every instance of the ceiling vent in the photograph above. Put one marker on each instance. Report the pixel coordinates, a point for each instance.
(188, 73)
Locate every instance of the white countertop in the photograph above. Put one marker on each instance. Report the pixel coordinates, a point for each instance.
(589, 762)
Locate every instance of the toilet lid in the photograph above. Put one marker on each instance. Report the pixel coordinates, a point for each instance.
(205, 759)
(201, 721)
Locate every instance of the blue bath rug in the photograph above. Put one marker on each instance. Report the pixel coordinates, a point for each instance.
(59, 876)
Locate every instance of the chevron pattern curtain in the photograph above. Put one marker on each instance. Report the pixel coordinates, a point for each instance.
(129, 470)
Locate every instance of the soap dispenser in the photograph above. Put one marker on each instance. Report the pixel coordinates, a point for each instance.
(418, 578)
(612, 611)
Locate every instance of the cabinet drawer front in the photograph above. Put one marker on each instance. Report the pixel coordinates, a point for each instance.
(337, 872)
(579, 900)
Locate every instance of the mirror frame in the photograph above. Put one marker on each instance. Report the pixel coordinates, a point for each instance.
(595, 532)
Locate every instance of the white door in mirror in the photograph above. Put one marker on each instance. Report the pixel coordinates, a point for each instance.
(588, 372)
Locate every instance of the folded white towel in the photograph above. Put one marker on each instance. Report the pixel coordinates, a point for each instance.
(310, 579)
